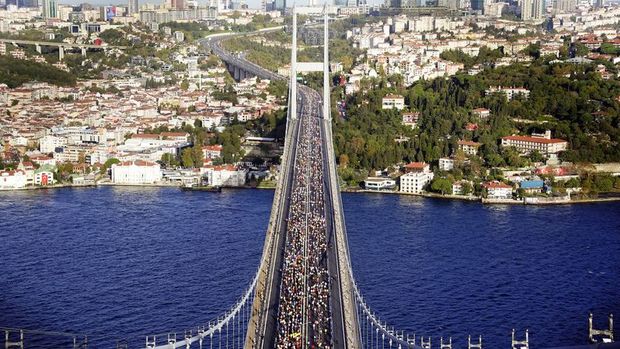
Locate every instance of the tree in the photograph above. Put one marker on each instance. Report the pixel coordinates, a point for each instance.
(466, 188)
(442, 185)
(536, 156)
(169, 160)
(197, 155)
(604, 183)
(187, 158)
(108, 164)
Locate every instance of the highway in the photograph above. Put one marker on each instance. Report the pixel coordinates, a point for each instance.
(306, 145)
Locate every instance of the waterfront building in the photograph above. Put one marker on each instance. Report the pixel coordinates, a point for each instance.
(136, 172)
(12, 179)
(379, 183)
(393, 102)
(498, 190)
(417, 175)
(527, 144)
(226, 175)
(44, 176)
(532, 186)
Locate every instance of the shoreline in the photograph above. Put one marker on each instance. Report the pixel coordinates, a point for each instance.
(345, 190)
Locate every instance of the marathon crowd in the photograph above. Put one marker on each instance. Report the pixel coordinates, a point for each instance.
(304, 312)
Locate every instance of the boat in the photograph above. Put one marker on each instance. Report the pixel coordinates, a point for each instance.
(214, 189)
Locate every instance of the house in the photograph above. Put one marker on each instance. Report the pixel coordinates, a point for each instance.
(212, 151)
(12, 179)
(457, 187)
(393, 102)
(446, 164)
(226, 175)
(43, 160)
(136, 172)
(44, 176)
(417, 175)
(471, 127)
(532, 186)
(411, 119)
(498, 190)
(469, 147)
(379, 183)
(482, 113)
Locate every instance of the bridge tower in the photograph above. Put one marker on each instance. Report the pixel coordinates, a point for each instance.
(305, 104)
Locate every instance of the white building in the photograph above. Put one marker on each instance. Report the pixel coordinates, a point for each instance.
(212, 151)
(527, 144)
(417, 176)
(44, 177)
(136, 172)
(12, 179)
(510, 92)
(227, 175)
(48, 144)
(498, 190)
(446, 164)
(482, 113)
(469, 147)
(393, 102)
(379, 183)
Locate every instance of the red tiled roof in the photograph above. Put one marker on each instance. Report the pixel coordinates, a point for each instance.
(145, 136)
(416, 165)
(534, 139)
(136, 163)
(496, 185)
(470, 143)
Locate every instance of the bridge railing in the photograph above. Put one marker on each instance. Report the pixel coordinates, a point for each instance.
(226, 331)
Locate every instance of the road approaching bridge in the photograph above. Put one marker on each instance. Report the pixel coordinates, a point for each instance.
(62, 46)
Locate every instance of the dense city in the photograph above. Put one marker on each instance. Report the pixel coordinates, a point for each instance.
(127, 95)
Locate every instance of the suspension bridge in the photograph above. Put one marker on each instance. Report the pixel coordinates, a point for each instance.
(304, 293)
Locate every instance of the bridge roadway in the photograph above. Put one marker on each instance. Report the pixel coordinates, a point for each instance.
(263, 330)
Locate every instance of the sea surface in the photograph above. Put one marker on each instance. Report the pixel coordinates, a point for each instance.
(121, 263)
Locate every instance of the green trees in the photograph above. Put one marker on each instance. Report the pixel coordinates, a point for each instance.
(108, 164)
(169, 160)
(441, 185)
(15, 72)
(485, 55)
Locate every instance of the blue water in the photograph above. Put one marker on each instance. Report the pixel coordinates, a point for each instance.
(125, 262)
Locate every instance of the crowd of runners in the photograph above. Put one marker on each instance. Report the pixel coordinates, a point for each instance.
(304, 307)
